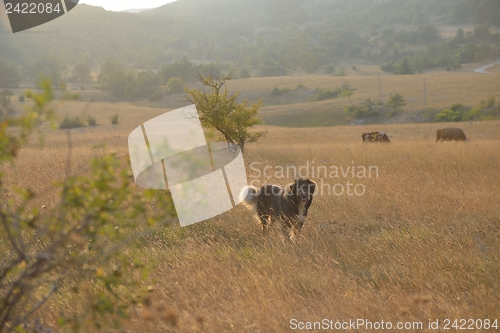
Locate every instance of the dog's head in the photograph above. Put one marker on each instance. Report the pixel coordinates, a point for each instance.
(302, 190)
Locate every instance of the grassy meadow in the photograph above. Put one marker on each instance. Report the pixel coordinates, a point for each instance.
(295, 109)
(420, 243)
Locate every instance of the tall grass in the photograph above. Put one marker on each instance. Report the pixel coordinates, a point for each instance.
(114, 119)
(421, 243)
(70, 122)
(91, 120)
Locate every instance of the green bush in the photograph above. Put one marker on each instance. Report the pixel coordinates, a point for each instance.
(322, 94)
(71, 122)
(358, 111)
(343, 91)
(449, 115)
(114, 119)
(485, 110)
(175, 85)
(330, 69)
(278, 92)
(91, 120)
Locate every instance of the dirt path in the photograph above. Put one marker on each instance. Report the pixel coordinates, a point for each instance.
(484, 68)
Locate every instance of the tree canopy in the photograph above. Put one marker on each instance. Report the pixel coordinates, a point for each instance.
(220, 111)
(396, 102)
(293, 34)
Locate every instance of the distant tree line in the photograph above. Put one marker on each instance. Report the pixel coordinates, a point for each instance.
(126, 83)
(370, 108)
(270, 37)
(467, 47)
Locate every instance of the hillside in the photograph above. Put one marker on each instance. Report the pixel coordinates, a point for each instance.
(314, 44)
(227, 30)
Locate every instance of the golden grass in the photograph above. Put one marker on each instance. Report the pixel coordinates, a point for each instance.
(421, 243)
(443, 89)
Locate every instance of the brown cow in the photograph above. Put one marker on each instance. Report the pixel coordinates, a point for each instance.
(450, 133)
(375, 137)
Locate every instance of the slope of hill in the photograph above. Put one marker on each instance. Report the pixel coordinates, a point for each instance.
(222, 28)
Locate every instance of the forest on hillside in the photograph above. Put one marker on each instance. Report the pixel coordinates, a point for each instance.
(264, 38)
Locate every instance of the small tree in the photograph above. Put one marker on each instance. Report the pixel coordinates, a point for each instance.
(114, 119)
(81, 72)
(403, 67)
(396, 102)
(219, 111)
(175, 85)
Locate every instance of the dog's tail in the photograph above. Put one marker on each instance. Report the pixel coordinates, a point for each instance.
(248, 196)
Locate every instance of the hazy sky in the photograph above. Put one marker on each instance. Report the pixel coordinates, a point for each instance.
(118, 5)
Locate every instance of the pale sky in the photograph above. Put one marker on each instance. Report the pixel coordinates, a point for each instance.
(119, 5)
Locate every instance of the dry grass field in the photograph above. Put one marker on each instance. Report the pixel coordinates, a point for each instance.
(296, 108)
(442, 89)
(420, 243)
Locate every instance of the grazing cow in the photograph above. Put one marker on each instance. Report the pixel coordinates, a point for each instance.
(375, 137)
(451, 133)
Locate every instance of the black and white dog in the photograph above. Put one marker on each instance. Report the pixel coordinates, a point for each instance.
(289, 205)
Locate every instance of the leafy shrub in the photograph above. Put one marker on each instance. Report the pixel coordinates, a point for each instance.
(486, 110)
(71, 122)
(114, 119)
(91, 120)
(357, 111)
(449, 115)
(330, 69)
(457, 107)
(343, 91)
(278, 92)
(322, 94)
(366, 109)
(175, 85)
